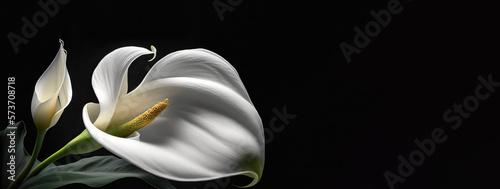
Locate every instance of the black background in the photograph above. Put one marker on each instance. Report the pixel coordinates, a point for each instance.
(353, 120)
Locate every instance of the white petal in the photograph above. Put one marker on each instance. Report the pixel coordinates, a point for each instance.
(52, 92)
(201, 64)
(208, 131)
(64, 98)
(110, 80)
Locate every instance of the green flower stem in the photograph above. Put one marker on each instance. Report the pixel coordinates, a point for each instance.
(40, 134)
(83, 143)
(59, 154)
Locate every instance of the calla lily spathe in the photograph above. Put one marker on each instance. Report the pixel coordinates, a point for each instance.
(52, 92)
(209, 130)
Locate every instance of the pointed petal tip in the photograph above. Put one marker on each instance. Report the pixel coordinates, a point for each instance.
(153, 49)
(255, 180)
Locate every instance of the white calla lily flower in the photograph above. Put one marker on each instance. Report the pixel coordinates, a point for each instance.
(52, 92)
(209, 130)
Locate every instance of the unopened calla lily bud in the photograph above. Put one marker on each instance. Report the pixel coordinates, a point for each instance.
(52, 92)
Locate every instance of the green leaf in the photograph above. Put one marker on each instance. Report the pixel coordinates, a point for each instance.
(94, 171)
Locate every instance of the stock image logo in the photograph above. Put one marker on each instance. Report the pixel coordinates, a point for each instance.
(222, 7)
(364, 35)
(31, 25)
(427, 146)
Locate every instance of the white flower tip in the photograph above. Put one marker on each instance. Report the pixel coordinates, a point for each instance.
(153, 49)
(62, 46)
